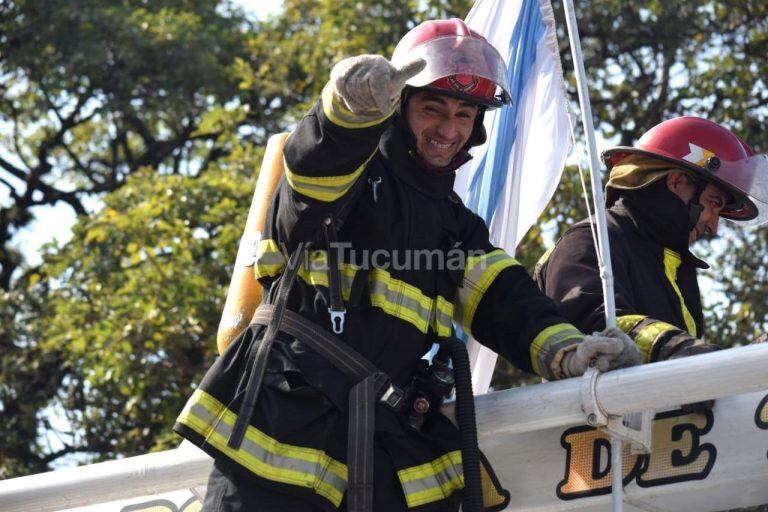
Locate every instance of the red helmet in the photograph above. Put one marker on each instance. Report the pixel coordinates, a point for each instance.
(710, 152)
(460, 62)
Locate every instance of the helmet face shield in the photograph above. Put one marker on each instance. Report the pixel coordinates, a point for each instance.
(462, 59)
(750, 177)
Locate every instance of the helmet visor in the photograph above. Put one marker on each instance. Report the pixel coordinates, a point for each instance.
(749, 177)
(456, 55)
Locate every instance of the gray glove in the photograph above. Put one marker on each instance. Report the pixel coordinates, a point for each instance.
(370, 83)
(606, 350)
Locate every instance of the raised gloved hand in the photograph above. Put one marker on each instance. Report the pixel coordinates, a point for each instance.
(370, 83)
(606, 350)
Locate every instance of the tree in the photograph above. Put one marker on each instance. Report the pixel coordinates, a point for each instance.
(124, 315)
(92, 91)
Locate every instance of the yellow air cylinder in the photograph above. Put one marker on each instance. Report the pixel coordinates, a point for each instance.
(244, 293)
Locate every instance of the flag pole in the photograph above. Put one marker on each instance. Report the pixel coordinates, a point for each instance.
(604, 256)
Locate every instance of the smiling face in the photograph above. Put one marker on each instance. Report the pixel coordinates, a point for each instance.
(442, 125)
(712, 200)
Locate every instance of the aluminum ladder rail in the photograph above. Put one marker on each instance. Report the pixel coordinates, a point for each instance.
(531, 408)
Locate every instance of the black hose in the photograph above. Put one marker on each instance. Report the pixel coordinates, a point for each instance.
(465, 417)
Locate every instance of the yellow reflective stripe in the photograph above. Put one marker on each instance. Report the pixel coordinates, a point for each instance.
(324, 188)
(432, 481)
(408, 303)
(478, 277)
(545, 257)
(340, 115)
(544, 349)
(628, 322)
(270, 261)
(262, 454)
(314, 272)
(443, 318)
(672, 261)
(646, 337)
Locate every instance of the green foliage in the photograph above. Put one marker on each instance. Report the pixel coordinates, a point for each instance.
(132, 304)
(92, 91)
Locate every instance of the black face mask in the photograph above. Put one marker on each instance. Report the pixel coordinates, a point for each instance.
(660, 214)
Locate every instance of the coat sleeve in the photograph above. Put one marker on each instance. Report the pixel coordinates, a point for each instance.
(324, 156)
(570, 275)
(329, 149)
(499, 305)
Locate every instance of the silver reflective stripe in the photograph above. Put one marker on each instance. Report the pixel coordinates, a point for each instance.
(394, 297)
(270, 257)
(400, 303)
(442, 321)
(434, 487)
(437, 481)
(274, 460)
(270, 261)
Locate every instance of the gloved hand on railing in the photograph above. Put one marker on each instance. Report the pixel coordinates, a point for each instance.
(370, 83)
(605, 350)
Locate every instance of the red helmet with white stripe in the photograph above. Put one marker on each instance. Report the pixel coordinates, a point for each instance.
(460, 62)
(712, 153)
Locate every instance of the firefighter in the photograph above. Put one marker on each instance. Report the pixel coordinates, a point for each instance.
(393, 258)
(663, 194)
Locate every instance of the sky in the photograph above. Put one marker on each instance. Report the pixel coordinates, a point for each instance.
(260, 8)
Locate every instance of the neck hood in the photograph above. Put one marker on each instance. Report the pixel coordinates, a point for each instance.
(661, 216)
(398, 147)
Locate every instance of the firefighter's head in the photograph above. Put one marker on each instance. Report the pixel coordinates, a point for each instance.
(709, 168)
(443, 105)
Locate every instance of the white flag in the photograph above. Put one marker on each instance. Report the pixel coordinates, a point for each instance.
(514, 174)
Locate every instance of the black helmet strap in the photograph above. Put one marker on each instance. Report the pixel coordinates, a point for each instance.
(694, 205)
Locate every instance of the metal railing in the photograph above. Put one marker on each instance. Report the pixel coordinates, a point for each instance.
(531, 408)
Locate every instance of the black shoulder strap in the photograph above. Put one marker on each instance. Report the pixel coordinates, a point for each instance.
(331, 226)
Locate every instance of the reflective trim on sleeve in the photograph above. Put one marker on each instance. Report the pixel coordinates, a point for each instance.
(549, 347)
(479, 274)
(645, 331)
(628, 322)
(263, 455)
(324, 188)
(270, 260)
(432, 481)
(340, 115)
(672, 262)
